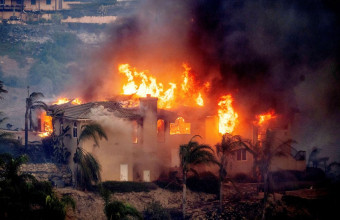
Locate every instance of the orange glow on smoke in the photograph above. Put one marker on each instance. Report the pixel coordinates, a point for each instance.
(185, 90)
(46, 125)
(227, 115)
(265, 117)
(61, 101)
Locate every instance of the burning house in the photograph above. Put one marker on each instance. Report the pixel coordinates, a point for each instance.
(145, 131)
(142, 143)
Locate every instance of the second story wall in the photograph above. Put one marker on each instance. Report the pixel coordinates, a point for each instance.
(45, 5)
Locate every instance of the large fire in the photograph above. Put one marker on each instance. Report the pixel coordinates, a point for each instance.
(227, 115)
(46, 121)
(46, 125)
(265, 117)
(188, 91)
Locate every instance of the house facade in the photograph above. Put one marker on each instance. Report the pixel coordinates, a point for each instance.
(143, 141)
(21, 9)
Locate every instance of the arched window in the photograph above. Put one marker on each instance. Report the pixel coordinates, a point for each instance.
(75, 130)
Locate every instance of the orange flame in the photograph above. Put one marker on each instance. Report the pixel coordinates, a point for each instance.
(46, 125)
(61, 101)
(199, 100)
(76, 101)
(227, 115)
(141, 84)
(265, 117)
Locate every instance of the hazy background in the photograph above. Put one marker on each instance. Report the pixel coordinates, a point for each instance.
(280, 54)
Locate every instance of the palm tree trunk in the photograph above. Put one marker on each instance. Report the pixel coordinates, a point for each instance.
(26, 128)
(221, 195)
(184, 193)
(30, 120)
(76, 177)
(265, 196)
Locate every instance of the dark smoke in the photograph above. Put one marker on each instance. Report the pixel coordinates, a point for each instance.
(269, 54)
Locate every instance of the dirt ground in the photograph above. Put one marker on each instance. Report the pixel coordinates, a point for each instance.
(90, 205)
(243, 201)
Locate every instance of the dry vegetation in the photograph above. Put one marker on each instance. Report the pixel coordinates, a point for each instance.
(238, 204)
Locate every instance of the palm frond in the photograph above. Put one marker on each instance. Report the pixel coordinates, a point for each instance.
(92, 131)
(39, 105)
(3, 119)
(89, 168)
(195, 153)
(36, 95)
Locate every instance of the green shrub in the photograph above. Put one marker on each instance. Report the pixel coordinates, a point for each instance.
(155, 211)
(117, 210)
(23, 197)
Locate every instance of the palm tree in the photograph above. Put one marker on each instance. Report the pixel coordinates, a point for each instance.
(60, 151)
(263, 153)
(191, 154)
(87, 167)
(6, 137)
(32, 103)
(224, 150)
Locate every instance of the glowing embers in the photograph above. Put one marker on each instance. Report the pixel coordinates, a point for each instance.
(61, 101)
(227, 115)
(180, 127)
(46, 125)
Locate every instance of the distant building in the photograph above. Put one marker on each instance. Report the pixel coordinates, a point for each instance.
(19, 9)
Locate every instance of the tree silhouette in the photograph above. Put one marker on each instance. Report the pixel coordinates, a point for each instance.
(32, 103)
(224, 150)
(87, 166)
(191, 154)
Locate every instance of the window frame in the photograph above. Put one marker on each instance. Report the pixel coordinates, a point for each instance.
(75, 130)
(241, 155)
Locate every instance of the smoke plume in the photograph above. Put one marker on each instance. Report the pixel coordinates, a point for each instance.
(280, 55)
